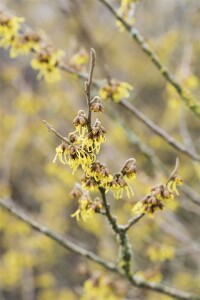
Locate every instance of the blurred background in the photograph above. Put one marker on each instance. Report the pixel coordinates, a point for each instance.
(166, 248)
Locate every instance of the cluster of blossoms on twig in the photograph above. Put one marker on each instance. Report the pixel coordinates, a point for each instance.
(81, 150)
(48, 60)
(87, 206)
(115, 90)
(21, 40)
(159, 195)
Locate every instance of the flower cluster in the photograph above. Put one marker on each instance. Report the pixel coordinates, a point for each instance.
(25, 43)
(86, 206)
(95, 137)
(9, 27)
(156, 199)
(96, 105)
(10, 36)
(78, 60)
(46, 61)
(80, 150)
(126, 11)
(116, 90)
(22, 41)
(97, 176)
(118, 185)
(160, 253)
(103, 287)
(83, 145)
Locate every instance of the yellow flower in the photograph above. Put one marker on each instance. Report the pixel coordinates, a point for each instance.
(155, 200)
(118, 185)
(86, 209)
(173, 183)
(115, 90)
(80, 122)
(46, 61)
(61, 152)
(79, 157)
(89, 183)
(24, 44)
(9, 25)
(95, 137)
(100, 173)
(160, 253)
(79, 60)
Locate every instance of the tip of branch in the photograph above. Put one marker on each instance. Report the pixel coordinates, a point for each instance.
(177, 164)
(93, 55)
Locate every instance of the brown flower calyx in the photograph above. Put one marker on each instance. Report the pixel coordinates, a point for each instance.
(97, 130)
(118, 180)
(31, 37)
(129, 169)
(80, 119)
(76, 192)
(89, 183)
(96, 105)
(73, 138)
(151, 203)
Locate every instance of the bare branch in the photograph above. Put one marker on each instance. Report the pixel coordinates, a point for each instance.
(132, 222)
(160, 288)
(51, 128)
(175, 171)
(159, 131)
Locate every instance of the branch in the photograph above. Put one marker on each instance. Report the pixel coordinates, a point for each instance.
(194, 196)
(136, 35)
(88, 84)
(125, 251)
(50, 128)
(159, 131)
(65, 243)
(112, 220)
(132, 222)
(8, 206)
(175, 171)
(163, 289)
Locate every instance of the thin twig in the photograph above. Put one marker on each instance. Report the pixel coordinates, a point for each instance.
(174, 172)
(160, 288)
(136, 35)
(159, 131)
(132, 222)
(51, 128)
(194, 196)
(88, 84)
